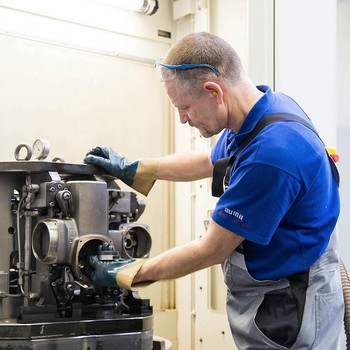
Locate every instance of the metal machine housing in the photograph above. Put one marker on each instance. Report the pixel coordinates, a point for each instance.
(53, 216)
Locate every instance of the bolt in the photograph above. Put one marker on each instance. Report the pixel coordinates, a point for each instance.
(52, 204)
(70, 288)
(66, 195)
(114, 195)
(59, 186)
(52, 189)
(53, 284)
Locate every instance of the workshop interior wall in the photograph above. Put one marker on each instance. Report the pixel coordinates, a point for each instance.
(81, 94)
(78, 96)
(343, 130)
(343, 123)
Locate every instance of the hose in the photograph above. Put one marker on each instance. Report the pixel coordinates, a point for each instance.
(346, 292)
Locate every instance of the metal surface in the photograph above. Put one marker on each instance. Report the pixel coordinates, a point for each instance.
(118, 325)
(130, 341)
(24, 167)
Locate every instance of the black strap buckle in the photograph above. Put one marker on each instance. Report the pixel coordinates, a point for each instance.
(221, 175)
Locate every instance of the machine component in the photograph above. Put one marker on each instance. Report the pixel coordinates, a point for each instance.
(53, 217)
(147, 7)
(41, 149)
(58, 159)
(52, 239)
(133, 241)
(23, 152)
(123, 207)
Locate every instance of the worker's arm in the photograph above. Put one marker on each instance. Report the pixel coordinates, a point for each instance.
(215, 246)
(185, 167)
(141, 174)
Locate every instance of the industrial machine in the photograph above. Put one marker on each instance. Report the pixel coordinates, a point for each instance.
(53, 215)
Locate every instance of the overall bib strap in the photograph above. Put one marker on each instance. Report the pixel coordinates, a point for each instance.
(222, 167)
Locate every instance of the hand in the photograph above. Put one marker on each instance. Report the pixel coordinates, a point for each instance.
(113, 163)
(140, 175)
(105, 272)
(108, 273)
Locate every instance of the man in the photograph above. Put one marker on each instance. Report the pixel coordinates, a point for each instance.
(272, 225)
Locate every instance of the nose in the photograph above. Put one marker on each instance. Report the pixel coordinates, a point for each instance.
(183, 117)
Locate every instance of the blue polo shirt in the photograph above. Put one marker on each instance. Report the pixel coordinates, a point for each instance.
(282, 197)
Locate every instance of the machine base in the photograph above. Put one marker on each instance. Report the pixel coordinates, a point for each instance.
(125, 333)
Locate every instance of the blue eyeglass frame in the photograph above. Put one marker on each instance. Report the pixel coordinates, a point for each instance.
(186, 66)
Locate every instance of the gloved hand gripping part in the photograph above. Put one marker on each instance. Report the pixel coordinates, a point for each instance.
(139, 175)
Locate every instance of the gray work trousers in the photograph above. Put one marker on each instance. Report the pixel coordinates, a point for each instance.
(318, 324)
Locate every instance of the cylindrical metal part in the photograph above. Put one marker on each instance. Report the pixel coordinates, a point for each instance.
(82, 248)
(52, 240)
(90, 206)
(132, 240)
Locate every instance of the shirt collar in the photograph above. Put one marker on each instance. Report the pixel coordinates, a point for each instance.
(255, 114)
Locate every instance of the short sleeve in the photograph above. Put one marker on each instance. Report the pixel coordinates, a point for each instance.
(258, 197)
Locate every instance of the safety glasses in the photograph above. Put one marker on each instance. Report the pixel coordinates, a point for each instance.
(168, 71)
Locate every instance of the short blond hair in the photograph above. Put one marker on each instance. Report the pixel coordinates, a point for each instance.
(203, 47)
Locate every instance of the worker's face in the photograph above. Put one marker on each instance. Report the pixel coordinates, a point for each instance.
(201, 113)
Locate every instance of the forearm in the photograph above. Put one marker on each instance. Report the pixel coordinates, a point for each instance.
(185, 167)
(174, 263)
(216, 245)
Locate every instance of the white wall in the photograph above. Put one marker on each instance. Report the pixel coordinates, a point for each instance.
(84, 76)
(305, 59)
(343, 130)
(343, 124)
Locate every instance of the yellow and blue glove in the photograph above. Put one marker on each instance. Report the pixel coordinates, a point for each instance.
(140, 175)
(104, 273)
(115, 273)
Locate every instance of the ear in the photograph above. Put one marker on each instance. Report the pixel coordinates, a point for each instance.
(215, 91)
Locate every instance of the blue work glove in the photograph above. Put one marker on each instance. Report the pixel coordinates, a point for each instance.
(113, 163)
(139, 175)
(105, 272)
(108, 273)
